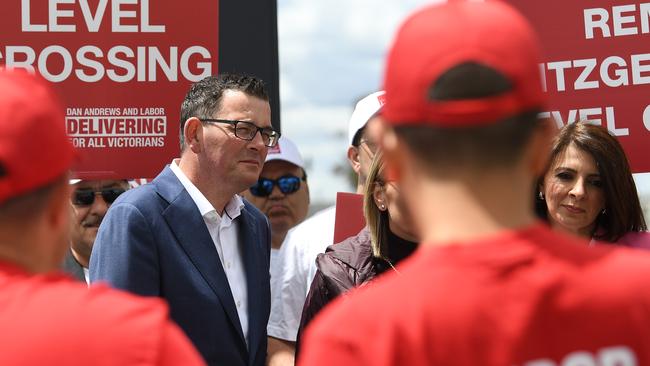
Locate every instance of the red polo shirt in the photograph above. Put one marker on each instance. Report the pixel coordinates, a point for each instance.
(529, 297)
(51, 320)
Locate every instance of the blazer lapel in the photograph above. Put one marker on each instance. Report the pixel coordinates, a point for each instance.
(186, 222)
(251, 251)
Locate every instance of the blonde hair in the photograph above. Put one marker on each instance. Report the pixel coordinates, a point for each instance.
(376, 219)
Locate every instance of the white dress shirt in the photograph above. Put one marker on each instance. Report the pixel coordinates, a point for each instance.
(223, 230)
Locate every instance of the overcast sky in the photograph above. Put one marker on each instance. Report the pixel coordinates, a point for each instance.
(331, 53)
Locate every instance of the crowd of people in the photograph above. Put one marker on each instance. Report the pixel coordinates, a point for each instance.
(490, 238)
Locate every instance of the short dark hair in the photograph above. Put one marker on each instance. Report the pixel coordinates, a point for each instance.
(623, 211)
(485, 145)
(204, 97)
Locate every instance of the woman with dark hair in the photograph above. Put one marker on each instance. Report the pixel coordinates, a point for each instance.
(588, 188)
(386, 240)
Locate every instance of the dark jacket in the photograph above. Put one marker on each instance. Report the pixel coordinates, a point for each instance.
(342, 267)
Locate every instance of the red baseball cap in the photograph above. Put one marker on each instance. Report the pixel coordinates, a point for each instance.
(34, 148)
(438, 38)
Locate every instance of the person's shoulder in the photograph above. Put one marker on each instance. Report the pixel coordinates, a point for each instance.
(354, 252)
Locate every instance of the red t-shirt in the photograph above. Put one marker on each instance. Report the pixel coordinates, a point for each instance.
(530, 297)
(52, 320)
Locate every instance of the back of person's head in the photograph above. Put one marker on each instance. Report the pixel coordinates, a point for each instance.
(204, 97)
(623, 211)
(463, 87)
(35, 156)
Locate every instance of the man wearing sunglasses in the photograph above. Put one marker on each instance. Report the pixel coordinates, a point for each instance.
(90, 200)
(189, 237)
(281, 192)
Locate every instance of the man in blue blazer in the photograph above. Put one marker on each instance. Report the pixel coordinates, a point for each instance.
(189, 238)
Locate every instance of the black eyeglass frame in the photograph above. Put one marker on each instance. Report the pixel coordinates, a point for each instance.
(266, 132)
(109, 195)
(276, 182)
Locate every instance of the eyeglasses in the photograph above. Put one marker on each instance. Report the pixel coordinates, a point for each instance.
(86, 197)
(288, 184)
(247, 130)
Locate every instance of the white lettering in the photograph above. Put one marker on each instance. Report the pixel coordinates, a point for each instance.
(611, 123)
(205, 66)
(644, 12)
(619, 20)
(93, 22)
(582, 83)
(67, 63)
(25, 16)
(118, 14)
(144, 20)
(620, 72)
(170, 69)
(27, 61)
(55, 14)
(591, 23)
(93, 64)
(559, 67)
(113, 59)
(589, 114)
(638, 68)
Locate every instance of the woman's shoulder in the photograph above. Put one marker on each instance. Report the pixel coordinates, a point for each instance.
(353, 253)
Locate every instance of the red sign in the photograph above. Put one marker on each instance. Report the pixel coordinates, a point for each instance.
(349, 216)
(122, 67)
(597, 66)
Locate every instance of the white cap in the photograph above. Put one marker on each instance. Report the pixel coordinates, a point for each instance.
(365, 109)
(285, 150)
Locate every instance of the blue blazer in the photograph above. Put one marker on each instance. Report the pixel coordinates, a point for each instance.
(154, 242)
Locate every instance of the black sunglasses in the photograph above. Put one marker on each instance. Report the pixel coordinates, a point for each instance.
(86, 197)
(288, 184)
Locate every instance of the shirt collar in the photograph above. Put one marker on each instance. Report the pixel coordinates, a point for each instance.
(233, 207)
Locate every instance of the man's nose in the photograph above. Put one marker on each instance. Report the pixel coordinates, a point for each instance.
(99, 205)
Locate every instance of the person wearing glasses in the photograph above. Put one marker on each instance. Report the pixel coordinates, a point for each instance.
(90, 200)
(189, 237)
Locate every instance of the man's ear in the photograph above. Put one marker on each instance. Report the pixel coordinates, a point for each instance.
(58, 208)
(193, 131)
(388, 142)
(540, 146)
(353, 158)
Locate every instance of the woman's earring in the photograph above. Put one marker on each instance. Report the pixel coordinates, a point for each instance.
(382, 207)
(604, 211)
(541, 195)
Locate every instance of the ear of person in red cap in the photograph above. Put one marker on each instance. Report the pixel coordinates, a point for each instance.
(490, 284)
(46, 317)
